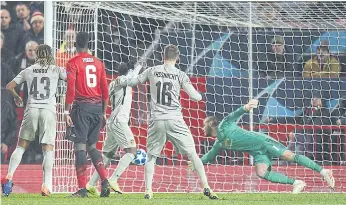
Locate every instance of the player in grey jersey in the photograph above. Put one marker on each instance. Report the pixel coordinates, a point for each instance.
(40, 114)
(118, 131)
(166, 119)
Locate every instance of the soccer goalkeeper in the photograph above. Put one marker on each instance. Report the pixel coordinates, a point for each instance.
(262, 147)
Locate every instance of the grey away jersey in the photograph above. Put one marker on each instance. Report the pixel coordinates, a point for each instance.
(165, 84)
(121, 97)
(42, 85)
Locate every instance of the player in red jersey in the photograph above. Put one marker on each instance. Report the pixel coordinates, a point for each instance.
(87, 89)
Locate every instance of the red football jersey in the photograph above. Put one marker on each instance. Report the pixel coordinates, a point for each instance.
(86, 79)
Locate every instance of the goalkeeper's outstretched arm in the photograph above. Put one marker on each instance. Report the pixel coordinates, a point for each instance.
(234, 116)
(210, 156)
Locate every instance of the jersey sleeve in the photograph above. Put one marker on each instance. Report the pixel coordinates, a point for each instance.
(71, 81)
(234, 116)
(104, 84)
(141, 78)
(212, 153)
(189, 89)
(20, 78)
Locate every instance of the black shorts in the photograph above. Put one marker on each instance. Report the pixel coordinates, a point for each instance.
(87, 125)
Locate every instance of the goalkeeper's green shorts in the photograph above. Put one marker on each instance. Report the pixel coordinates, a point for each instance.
(270, 149)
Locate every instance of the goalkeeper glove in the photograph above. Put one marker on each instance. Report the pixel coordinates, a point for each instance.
(252, 104)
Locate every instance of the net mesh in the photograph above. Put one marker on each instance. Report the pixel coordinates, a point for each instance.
(232, 52)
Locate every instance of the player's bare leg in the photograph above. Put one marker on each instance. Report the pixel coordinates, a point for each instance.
(308, 163)
(123, 164)
(276, 177)
(199, 168)
(47, 165)
(15, 160)
(149, 175)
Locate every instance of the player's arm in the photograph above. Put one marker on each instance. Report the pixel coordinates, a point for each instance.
(104, 90)
(189, 89)
(71, 85)
(135, 80)
(210, 156)
(234, 116)
(19, 79)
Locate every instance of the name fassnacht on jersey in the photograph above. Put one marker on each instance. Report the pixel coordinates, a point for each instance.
(166, 75)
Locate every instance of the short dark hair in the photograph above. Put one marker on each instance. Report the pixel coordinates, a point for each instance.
(125, 67)
(82, 40)
(171, 52)
(23, 4)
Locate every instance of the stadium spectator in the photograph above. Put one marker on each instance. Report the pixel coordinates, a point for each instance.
(22, 61)
(316, 114)
(9, 126)
(27, 58)
(12, 34)
(7, 73)
(8, 114)
(277, 63)
(23, 15)
(323, 64)
(341, 112)
(36, 33)
(67, 49)
(5, 57)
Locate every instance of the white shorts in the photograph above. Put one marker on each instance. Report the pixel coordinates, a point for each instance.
(176, 131)
(41, 120)
(119, 134)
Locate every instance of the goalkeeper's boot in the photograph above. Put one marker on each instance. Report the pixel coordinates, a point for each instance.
(207, 191)
(6, 185)
(82, 193)
(298, 186)
(115, 187)
(148, 194)
(328, 177)
(105, 189)
(92, 189)
(45, 191)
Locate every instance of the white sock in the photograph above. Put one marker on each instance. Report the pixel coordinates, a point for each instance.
(122, 166)
(149, 172)
(47, 165)
(15, 160)
(198, 165)
(96, 177)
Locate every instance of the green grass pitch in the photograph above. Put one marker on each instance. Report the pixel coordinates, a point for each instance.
(181, 199)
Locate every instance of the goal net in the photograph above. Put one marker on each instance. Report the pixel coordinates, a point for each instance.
(289, 55)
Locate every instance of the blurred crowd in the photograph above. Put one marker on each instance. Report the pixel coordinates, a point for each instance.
(22, 30)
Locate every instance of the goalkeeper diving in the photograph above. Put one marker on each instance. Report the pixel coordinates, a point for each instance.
(262, 147)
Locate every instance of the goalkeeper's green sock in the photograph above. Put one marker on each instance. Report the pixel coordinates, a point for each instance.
(278, 178)
(306, 162)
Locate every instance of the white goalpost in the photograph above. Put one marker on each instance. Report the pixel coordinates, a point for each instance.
(227, 48)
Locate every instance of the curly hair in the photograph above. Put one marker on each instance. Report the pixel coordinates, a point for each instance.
(44, 56)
